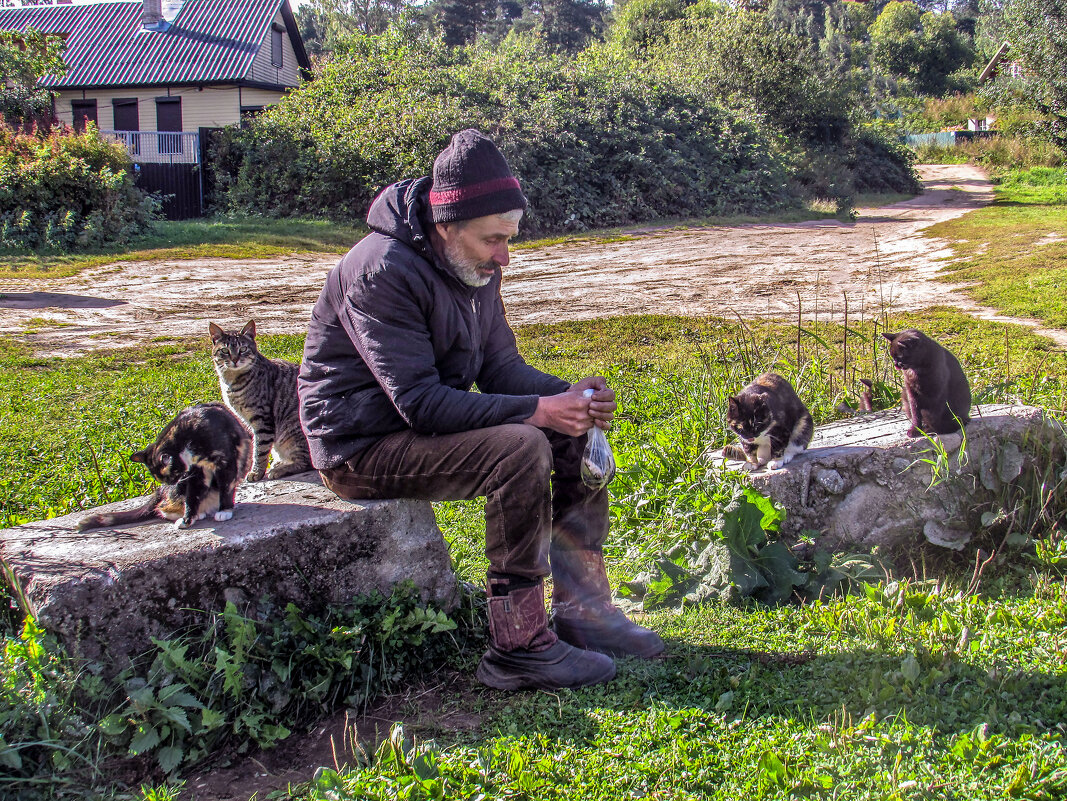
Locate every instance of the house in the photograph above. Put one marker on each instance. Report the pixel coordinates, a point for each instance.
(149, 65)
(1014, 68)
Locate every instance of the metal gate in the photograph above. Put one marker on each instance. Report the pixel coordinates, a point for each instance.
(167, 163)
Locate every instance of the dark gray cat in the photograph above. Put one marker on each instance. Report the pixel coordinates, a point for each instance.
(262, 392)
(936, 396)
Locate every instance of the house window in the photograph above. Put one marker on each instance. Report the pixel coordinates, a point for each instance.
(276, 32)
(126, 120)
(169, 118)
(83, 111)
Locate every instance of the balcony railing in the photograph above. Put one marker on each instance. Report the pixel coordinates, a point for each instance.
(159, 147)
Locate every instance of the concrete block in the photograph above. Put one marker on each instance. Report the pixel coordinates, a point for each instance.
(106, 592)
(864, 482)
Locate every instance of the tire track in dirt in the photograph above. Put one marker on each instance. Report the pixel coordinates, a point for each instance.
(882, 261)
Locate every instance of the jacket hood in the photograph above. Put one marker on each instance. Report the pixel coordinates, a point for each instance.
(399, 211)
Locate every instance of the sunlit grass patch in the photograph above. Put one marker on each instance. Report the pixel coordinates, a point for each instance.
(1014, 252)
(209, 238)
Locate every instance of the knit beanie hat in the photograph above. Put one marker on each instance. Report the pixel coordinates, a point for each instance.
(472, 179)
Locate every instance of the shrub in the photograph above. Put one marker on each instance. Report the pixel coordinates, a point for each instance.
(594, 141)
(67, 190)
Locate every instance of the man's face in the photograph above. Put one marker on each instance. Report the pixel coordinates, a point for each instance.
(475, 249)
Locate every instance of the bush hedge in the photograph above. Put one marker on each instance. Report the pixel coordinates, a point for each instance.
(684, 126)
(594, 142)
(67, 190)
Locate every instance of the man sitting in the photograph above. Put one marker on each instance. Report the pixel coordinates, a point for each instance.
(408, 321)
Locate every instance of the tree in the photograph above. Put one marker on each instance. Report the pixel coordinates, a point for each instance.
(924, 48)
(1037, 30)
(568, 25)
(26, 57)
(325, 23)
(644, 23)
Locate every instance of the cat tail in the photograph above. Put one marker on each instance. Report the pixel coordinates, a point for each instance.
(144, 511)
(735, 453)
(802, 432)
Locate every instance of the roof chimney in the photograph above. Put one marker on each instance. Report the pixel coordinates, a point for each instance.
(152, 14)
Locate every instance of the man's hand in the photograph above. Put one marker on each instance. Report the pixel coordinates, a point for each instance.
(572, 413)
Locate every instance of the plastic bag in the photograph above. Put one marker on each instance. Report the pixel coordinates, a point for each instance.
(598, 462)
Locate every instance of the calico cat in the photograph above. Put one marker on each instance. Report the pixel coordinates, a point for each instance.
(262, 392)
(771, 421)
(199, 457)
(936, 396)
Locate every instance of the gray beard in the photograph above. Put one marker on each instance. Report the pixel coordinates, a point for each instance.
(467, 270)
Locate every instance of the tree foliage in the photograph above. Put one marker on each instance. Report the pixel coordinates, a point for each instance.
(924, 48)
(25, 57)
(1037, 31)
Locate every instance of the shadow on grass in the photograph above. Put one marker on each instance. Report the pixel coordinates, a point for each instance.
(943, 693)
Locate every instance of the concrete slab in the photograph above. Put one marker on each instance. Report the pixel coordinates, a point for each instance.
(864, 482)
(106, 592)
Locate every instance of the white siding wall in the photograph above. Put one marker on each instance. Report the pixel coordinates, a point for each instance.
(211, 107)
(265, 72)
(259, 97)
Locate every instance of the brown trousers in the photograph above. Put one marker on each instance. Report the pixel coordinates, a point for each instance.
(529, 477)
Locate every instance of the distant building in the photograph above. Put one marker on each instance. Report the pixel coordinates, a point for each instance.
(981, 123)
(148, 65)
(1013, 68)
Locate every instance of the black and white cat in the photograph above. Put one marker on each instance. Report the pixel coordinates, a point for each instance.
(199, 458)
(770, 420)
(262, 392)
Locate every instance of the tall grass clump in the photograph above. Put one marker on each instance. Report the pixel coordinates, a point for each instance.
(1000, 153)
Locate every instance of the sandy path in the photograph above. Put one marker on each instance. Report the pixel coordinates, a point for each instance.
(883, 260)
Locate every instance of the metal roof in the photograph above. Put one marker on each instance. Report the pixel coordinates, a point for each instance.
(208, 41)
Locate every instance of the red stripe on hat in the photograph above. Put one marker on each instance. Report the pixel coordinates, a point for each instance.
(472, 191)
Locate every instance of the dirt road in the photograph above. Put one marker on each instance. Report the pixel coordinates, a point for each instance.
(883, 260)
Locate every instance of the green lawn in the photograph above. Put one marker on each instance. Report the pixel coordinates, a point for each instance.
(915, 689)
(1014, 251)
(211, 238)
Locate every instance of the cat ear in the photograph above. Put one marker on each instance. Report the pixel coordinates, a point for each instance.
(890, 337)
(140, 456)
(249, 330)
(215, 331)
(734, 405)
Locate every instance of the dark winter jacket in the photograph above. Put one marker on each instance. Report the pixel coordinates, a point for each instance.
(396, 342)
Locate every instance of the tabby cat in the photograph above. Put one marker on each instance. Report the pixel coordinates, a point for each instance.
(936, 396)
(771, 421)
(262, 392)
(200, 458)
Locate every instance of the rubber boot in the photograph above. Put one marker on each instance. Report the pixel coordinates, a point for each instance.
(525, 653)
(583, 614)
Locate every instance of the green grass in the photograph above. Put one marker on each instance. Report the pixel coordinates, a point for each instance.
(875, 697)
(211, 238)
(1014, 252)
(915, 690)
